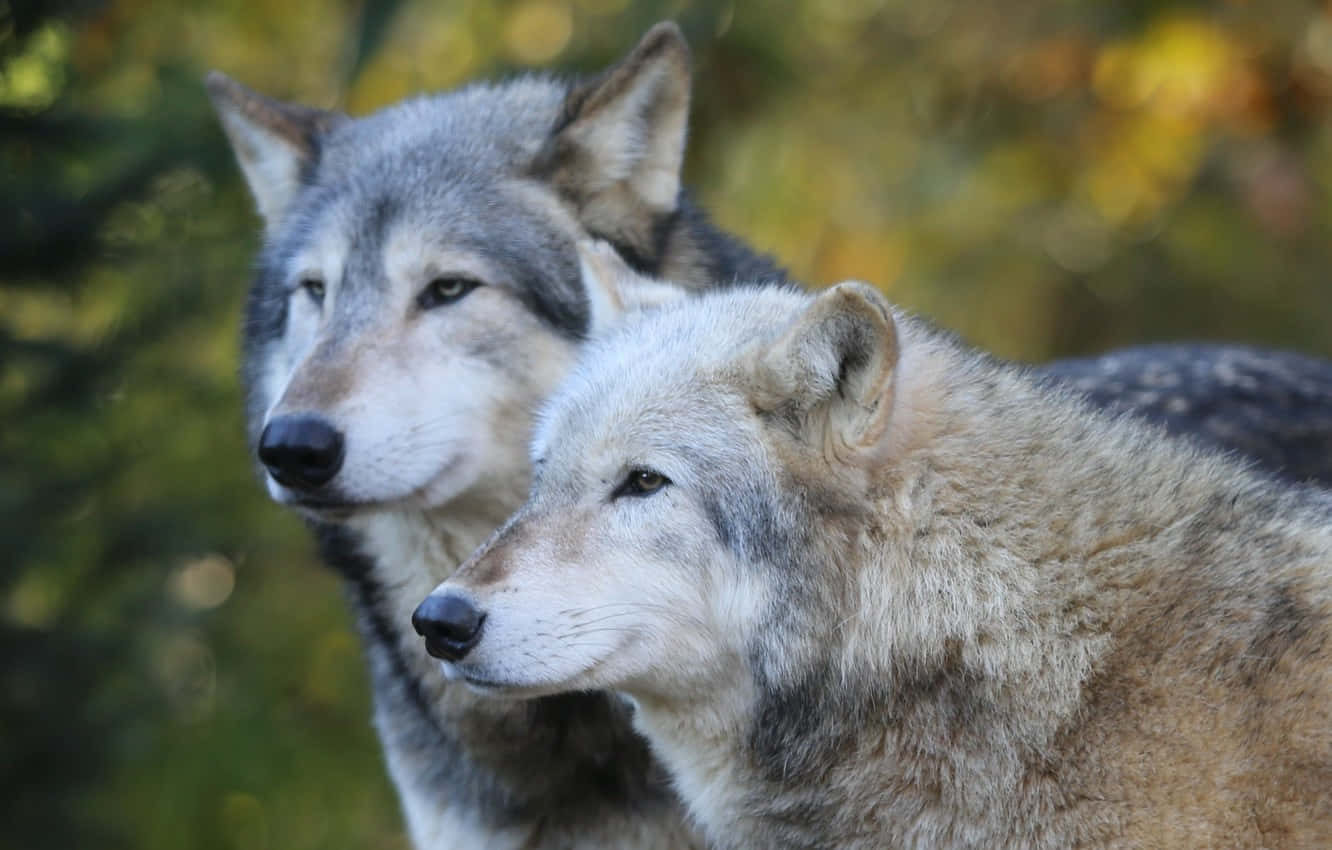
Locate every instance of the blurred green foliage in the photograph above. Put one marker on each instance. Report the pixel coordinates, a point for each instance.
(1047, 177)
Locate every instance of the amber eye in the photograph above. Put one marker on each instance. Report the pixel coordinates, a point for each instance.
(314, 288)
(444, 290)
(641, 482)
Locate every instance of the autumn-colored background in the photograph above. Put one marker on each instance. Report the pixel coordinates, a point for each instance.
(1046, 177)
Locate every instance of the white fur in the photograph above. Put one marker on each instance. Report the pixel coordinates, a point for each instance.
(638, 136)
(614, 289)
(1001, 620)
(272, 166)
(423, 420)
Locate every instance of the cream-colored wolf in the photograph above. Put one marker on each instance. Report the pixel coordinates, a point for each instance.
(869, 588)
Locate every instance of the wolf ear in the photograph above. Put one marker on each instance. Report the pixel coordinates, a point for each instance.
(834, 368)
(617, 150)
(273, 141)
(613, 289)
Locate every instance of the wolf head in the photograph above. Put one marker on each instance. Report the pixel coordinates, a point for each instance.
(418, 290)
(677, 471)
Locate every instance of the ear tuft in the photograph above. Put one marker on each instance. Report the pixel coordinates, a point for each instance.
(614, 289)
(618, 148)
(836, 364)
(274, 142)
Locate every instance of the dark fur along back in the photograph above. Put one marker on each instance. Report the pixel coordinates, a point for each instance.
(1274, 407)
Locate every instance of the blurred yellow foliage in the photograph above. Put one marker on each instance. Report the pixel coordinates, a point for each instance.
(1180, 67)
(538, 30)
(33, 78)
(1049, 177)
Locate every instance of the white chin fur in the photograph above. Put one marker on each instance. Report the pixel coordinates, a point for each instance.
(452, 478)
(455, 475)
(451, 671)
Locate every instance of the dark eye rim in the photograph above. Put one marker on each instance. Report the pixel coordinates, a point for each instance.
(314, 287)
(634, 484)
(431, 295)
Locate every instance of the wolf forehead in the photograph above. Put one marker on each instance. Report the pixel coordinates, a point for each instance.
(654, 367)
(430, 151)
(482, 124)
(436, 172)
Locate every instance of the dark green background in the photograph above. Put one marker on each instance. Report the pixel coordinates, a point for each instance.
(1047, 177)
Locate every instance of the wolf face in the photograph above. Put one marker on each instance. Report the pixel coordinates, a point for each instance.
(418, 291)
(417, 352)
(604, 579)
(643, 560)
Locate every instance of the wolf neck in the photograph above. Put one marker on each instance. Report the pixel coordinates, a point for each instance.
(701, 741)
(418, 716)
(436, 540)
(952, 655)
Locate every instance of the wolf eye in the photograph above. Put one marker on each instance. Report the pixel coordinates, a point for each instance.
(314, 288)
(641, 482)
(444, 290)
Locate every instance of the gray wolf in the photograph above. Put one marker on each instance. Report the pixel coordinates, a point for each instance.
(869, 588)
(417, 294)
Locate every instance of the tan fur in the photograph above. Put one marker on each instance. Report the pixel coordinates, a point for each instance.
(622, 290)
(619, 154)
(1013, 621)
(273, 140)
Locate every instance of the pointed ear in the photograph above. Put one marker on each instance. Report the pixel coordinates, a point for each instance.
(614, 290)
(618, 148)
(274, 142)
(834, 369)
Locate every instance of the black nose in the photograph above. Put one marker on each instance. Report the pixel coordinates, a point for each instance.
(301, 452)
(450, 624)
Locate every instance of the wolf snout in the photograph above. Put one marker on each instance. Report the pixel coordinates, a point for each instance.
(301, 452)
(450, 623)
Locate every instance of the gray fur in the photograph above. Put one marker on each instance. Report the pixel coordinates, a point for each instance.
(459, 169)
(488, 170)
(1006, 620)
